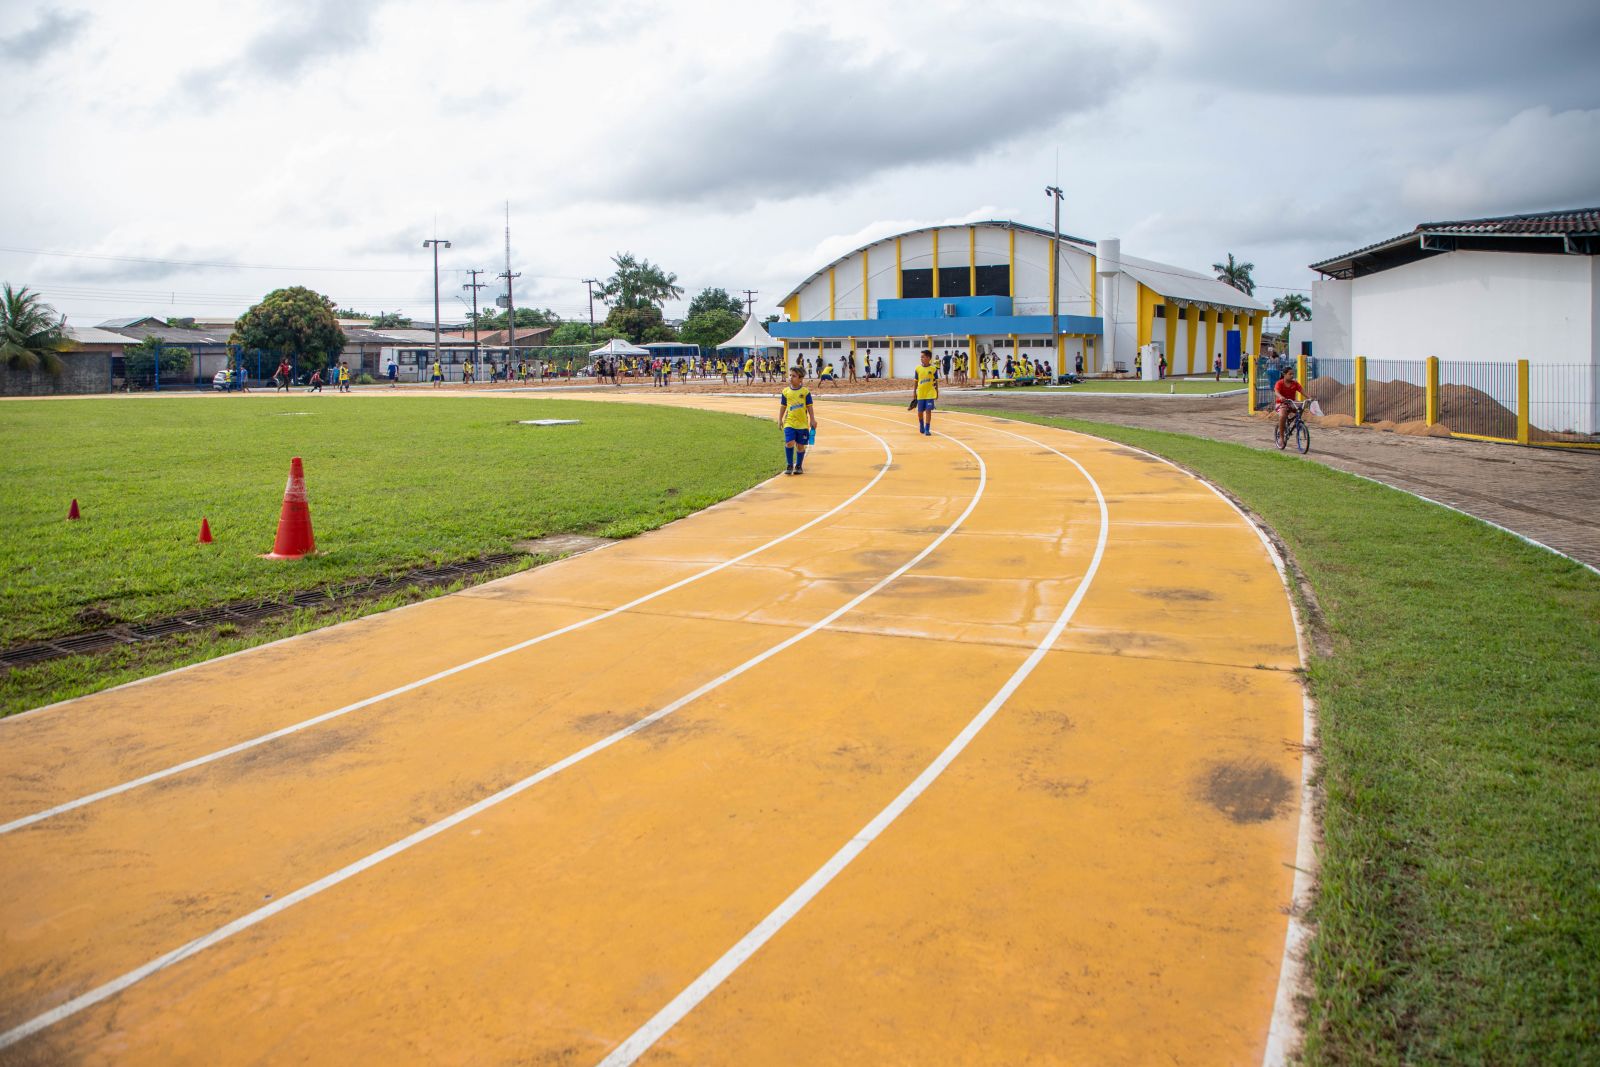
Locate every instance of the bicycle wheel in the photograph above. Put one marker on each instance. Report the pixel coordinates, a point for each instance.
(1302, 438)
(1277, 436)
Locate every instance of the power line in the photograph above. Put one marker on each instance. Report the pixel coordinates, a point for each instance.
(246, 266)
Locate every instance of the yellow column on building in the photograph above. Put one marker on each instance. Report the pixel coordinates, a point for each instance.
(1191, 327)
(1094, 293)
(1250, 393)
(1016, 353)
(889, 369)
(1258, 323)
(786, 363)
(1524, 396)
(936, 262)
(1172, 337)
(899, 276)
(1146, 325)
(1011, 267)
(1211, 335)
(830, 294)
(972, 356)
(791, 308)
(972, 261)
(1361, 390)
(1431, 391)
(865, 306)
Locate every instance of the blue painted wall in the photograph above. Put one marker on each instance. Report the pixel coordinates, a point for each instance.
(1025, 325)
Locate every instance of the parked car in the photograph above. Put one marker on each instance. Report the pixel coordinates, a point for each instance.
(222, 380)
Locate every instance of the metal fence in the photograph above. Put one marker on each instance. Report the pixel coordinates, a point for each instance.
(1519, 401)
(230, 368)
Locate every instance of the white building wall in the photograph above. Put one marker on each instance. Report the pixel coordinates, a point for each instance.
(916, 251)
(1031, 286)
(994, 246)
(814, 299)
(847, 287)
(1331, 311)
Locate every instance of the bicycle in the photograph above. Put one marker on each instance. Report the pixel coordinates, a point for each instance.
(1295, 427)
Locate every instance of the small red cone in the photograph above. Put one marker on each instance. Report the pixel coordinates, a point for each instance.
(294, 521)
(72, 512)
(205, 531)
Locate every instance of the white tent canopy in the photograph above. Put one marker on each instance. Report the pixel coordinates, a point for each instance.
(750, 335)
(619, 347)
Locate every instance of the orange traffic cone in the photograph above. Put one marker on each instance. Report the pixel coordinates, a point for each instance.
(72, 512)
(205, 531)
(294, 522)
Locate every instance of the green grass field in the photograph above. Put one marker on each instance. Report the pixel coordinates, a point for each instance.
(1458, 917)
(394, 483)
(1180, 386)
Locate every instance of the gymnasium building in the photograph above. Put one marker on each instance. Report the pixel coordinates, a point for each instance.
(986, 286)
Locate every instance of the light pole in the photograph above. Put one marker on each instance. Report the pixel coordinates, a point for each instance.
(1054, 193)
(435, 242)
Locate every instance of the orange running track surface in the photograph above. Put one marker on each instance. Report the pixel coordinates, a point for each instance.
(1101, 874)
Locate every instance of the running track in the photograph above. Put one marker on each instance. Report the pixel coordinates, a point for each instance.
(975, 749)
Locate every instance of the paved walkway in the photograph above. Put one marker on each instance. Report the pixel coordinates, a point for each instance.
(1550, 495)
(942, 753)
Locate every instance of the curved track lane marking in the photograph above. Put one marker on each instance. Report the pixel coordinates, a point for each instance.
(639, 1042)
(366, 702)
(110, 989)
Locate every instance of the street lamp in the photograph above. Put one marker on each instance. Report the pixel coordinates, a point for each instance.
(435, 242)
(1054, 193)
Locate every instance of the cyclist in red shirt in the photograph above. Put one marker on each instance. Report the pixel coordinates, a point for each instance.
(1287, 392)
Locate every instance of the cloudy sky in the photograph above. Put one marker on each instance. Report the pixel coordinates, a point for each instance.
(190, 157)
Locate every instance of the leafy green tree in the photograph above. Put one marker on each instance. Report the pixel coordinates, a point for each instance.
(292, 322)
(769, 320)
(710, 328)
(712, 299)
(390, 320)
(139, 360)
(577, 333)
(32, 335)
(640, 325)
(1292, 307)
(186, 323)
(527, 318)
(637, 284)
(1236, 275)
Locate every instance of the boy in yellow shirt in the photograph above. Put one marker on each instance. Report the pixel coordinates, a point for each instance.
(927, 392)
(798, 417)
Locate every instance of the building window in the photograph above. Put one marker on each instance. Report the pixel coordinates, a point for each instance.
(1161, 311)
(994, 281)
(955, 281)
(916, 283)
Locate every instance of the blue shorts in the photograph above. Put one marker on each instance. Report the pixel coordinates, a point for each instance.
(924, 405)
(792, 436)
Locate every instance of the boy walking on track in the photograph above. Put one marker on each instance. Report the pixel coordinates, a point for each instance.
(927, 392)
(798, 417)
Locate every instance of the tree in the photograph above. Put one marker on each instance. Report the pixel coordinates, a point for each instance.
(577, 333)
(390, 320)
(139, 361)
(186, 323)
(32, 336)
(640, 325)
(713, 299)
(489, 319)
(292, 321)
(710, 328)
(1236, 275)
(638, 283)
(768, 321)
(1292, 307)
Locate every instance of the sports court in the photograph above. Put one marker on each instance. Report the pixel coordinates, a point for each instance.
(983, 747)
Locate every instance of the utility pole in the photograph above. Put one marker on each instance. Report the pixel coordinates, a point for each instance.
(1055, 194)
(511, 303)
(475, 285)
(591, 283)
(750, 302)
(435, 242)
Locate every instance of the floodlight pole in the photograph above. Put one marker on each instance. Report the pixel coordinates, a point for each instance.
(435, 243)
(1054, 193)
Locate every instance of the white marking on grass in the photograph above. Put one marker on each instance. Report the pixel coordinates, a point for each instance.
(681, 1005)
(317, 720)
(245, 922)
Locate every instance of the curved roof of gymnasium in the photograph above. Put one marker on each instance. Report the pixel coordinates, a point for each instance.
(1004, 224)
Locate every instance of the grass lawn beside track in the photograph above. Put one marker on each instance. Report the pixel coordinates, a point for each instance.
(394, 483)
(1458, 911)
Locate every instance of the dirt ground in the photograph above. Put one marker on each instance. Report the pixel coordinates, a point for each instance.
(1550, 495)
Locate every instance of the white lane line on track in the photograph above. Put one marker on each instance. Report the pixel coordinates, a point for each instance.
(317, 720)
(244, 922)
(639, 1042)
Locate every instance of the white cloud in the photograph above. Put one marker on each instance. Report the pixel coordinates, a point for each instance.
(1537, 160)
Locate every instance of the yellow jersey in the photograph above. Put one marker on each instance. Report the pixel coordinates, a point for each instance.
(927, 382)
(795, 405)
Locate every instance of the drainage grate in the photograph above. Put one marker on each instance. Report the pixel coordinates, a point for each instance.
(245, 611)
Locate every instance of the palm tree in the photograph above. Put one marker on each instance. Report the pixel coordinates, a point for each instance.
(1236, 275)
(31, 336)
(1292, 307)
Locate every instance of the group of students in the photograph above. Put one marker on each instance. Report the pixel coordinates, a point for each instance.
(338, 376)
(797, 410)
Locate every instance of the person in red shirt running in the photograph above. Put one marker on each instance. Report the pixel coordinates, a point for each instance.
(1287, 391)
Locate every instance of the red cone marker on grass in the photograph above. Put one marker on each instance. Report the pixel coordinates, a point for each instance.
(294, 521)
(72, 512)
(205, 531)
